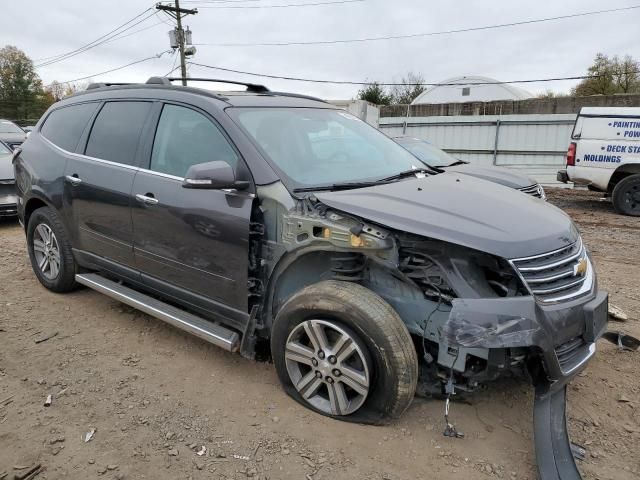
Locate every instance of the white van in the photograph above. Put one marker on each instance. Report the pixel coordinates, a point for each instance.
(604, 154)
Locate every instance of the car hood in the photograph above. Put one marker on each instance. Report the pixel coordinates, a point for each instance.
(6, 167)
(13, 137)
(462, 210)
(500, 175)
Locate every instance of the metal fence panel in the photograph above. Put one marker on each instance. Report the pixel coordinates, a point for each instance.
(535, 144)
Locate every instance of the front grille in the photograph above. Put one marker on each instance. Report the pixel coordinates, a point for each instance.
(570, 353)
(533, 190)
(562, 274)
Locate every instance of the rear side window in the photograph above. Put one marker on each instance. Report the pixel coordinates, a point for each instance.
(64, 126)
(116, 131)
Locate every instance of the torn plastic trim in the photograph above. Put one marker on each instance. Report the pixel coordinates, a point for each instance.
(554, 452)
(477, 323)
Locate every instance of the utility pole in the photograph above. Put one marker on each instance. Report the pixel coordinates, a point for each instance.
(177, 13)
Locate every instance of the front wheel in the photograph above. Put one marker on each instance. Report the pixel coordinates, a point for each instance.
(626, 196)
(343, 351)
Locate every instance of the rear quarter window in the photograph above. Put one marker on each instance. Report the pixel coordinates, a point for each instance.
(116, 131)
(64, 126)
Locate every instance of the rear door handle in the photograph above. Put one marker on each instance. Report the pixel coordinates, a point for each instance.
(146, 199)
(74, 179)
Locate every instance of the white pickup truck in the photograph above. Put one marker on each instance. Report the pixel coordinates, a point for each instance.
(604, 154)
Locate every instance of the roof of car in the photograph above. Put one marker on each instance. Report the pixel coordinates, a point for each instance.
(254, 96)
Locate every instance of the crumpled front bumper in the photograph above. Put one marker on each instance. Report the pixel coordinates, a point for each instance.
(564, 333)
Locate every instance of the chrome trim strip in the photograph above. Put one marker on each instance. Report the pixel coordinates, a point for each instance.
(591, 352)
(553, 252)
(209, 331)
(87, 157)
(551, 278)
(558, 289)
(586, 287)
(548, 266)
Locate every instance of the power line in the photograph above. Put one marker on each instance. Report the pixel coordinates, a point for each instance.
(288, 5)
(113, 69)
(427, 34)
(391, 84)
(99, 41)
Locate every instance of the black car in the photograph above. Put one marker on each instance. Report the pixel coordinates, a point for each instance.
(11, 134)
(360, 273)
(437, 158)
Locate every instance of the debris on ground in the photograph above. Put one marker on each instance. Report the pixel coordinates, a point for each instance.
(616, 313)
(622, 340)
(202, 451)
(27, 473)
(46, 337)
(47, 402)
(89, 435)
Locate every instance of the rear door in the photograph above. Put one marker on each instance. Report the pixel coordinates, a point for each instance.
(189, 243)
(98, 182)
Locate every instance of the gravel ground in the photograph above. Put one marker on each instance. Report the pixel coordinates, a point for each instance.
(155, 397)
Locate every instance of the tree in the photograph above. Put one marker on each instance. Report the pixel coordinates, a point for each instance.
(375, 93)
(57, 90)
(21, 92)
(410, 87)
(610, 75)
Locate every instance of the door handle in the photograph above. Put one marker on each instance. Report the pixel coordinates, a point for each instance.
(73, 179)
(147, 199)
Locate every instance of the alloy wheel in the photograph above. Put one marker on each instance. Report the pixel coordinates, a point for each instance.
(46, 251)
(328, 366)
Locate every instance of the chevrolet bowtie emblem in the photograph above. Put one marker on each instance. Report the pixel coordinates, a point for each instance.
(580, 268)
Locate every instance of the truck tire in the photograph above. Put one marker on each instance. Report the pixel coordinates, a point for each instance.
(50, 251)
(342, 351)
(626, 196)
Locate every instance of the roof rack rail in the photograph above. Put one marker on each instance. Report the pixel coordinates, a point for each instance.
(251, 87)
(158, 81)
(298, 95)
(92, 86)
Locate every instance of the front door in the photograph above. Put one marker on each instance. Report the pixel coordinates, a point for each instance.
(98, 184)
(191, 243)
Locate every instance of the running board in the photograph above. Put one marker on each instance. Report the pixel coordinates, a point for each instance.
(210, 331)
(554, 451)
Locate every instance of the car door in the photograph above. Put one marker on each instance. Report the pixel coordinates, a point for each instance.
(98, 182)
(192, 243)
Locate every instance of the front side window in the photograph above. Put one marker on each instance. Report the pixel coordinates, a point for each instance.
(64, 126)
(116, 131)
(185, 138)
(321, 147)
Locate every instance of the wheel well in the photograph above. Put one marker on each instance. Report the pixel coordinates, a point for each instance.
(31, 206)
(622, 172)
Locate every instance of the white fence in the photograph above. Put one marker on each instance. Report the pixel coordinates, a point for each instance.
(535, 144)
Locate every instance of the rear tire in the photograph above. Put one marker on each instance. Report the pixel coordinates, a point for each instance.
(626, 196)
(342, 351)
(50, 251)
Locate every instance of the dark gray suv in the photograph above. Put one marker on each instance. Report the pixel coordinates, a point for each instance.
(279, 226)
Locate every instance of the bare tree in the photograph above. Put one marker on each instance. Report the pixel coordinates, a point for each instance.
(411, 86)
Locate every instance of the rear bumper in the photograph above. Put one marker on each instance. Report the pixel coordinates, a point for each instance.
(562, 176)
(562, 334)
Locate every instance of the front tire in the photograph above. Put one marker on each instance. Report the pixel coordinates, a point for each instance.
(342, 351)
(626, 196)
(50, 251)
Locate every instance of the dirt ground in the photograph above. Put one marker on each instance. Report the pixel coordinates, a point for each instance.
(156, 396)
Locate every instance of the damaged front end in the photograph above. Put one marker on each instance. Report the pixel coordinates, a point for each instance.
(474, 316)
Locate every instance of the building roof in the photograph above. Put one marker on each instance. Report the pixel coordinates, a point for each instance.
(471, 88)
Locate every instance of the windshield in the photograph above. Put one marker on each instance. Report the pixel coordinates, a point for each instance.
(321, 147)
(9, 127)
(428, 153)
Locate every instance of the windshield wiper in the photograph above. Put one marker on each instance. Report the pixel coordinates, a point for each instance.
(336, 186)
(459, 162)
(407, 173)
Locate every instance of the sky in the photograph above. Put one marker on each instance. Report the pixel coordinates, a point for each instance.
(540, 50)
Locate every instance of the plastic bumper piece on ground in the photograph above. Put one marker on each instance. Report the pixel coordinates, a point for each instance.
(554, 454)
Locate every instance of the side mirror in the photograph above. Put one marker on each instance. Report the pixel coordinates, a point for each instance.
(216, 175)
